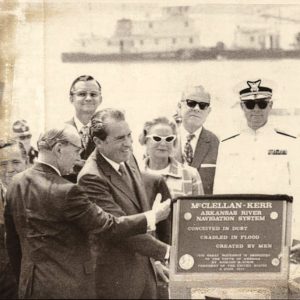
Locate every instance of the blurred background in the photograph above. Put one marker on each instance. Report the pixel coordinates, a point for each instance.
(145, 53)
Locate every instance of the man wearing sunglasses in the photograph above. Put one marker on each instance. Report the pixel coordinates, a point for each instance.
(85, 96)
(258, 159)
(197, 146)
(21, 133)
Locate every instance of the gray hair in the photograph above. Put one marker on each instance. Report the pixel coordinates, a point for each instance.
(48, 139)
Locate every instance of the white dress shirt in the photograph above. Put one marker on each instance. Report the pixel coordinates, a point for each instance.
(79, 124)
(184, 134)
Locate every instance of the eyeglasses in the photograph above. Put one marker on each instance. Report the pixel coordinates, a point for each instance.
(158, 138)
(25, 137)
(250, 104)
(84, 94)
(193, 104)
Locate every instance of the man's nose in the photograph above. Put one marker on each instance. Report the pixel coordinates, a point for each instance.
(128, 141)
(10, 168)
(88, 97)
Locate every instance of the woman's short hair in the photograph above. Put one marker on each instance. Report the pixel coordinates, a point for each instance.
(149, 124)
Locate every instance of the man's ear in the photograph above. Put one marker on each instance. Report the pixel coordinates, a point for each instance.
(71, 98)
(271, 104)
(57, 149)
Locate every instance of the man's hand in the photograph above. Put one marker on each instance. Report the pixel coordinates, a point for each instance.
(161, 209)
(162, 271)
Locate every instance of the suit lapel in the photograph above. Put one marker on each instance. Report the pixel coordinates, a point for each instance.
(138, 183)
(115, 179)
(202, 148)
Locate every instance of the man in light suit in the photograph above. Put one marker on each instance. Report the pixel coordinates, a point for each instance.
(198, 146)
(85, 96)
(124, 269)
(48, 220)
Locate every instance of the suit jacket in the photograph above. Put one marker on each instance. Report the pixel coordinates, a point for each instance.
(123, 269)
(84, 155)
(90, 145)
(206, 153)
(205, 158)
(47, 221)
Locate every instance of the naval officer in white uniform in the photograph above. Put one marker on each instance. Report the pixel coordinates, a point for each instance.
(257, 159)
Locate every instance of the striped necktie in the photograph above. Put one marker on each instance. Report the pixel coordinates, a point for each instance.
(188, 150)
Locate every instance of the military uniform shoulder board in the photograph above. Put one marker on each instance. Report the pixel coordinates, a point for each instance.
(284, 133)
(231, 137)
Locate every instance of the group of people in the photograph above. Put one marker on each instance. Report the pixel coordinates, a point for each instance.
(86, 220)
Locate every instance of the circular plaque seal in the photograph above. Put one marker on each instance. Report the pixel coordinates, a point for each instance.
(187, 216)
(275, 262)
(273, 215)
(186, 262)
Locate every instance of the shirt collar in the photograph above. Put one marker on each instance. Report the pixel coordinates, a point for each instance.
(185, 133)
(264, 130)
(79, 124)
(115, 165)
(54, 168)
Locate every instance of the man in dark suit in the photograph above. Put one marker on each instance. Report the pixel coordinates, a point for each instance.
(198, 146)
(13, 160)
(85, 95)
(124, 269)
(48, 220)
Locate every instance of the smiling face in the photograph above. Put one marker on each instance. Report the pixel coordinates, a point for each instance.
(11, 163)
(257, 117)
(86, 97)
(118, 144)
(160, 149)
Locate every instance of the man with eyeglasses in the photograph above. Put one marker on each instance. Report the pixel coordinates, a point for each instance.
(85, 95)
(258, 159)
(21, 132)
(197, 146)
(48, 221)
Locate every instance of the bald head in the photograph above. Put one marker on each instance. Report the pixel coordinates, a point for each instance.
(60, 147)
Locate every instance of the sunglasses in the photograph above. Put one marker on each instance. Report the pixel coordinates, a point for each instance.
(157, 138)
(25, 137)
(193, 104)
(250, 104)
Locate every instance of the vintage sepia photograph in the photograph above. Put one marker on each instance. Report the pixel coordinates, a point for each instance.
(149, 149)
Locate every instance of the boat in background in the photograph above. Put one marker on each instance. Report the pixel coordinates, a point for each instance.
(174, 36)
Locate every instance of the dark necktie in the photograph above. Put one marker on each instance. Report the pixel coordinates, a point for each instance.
(125, 176)
(84, 133)
(188, 150)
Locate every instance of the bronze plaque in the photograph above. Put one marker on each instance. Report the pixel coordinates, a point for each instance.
(235, 235)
